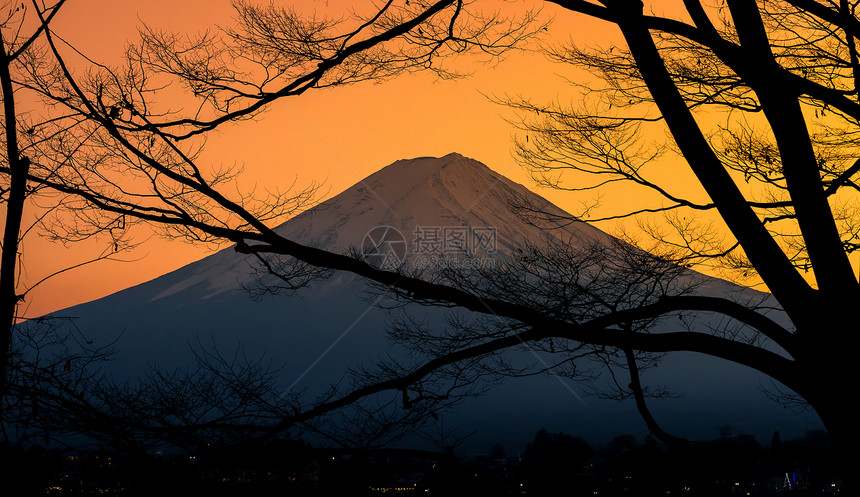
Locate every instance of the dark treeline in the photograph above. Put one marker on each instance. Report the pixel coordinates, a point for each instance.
(551, 465)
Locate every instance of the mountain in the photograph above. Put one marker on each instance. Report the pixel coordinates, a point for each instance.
(412, 210)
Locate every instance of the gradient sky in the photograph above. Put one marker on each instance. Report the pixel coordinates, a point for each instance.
(335, 136)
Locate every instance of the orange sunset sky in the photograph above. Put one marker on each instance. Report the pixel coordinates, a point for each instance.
(335, 136)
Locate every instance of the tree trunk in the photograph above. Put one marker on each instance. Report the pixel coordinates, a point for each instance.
(17, 194)
(844, 433)
(831, 384)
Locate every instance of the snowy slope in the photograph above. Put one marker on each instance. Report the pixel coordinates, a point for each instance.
(330, 326)
(448, 192)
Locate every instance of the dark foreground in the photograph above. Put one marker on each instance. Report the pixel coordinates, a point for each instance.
(553, 464)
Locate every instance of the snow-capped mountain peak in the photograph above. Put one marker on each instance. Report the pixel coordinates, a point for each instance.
(437, 207)
(316, 335)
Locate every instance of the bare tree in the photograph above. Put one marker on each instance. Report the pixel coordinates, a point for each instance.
(779, 79)
(777, 176)
(15, 187)
(112, 158)
(43, 365)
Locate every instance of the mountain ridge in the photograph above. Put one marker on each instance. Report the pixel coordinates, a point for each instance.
(329, 327)
(418, 192)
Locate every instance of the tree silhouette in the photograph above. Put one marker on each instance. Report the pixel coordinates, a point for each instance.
(26, 209)
(781, 79)
(15, 189)
(776, 171)
(551, 458)
(778, 176)
(107, 156)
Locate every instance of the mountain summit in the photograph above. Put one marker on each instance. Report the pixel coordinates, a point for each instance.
(446, 192)
(414, 208)
(435, 205)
